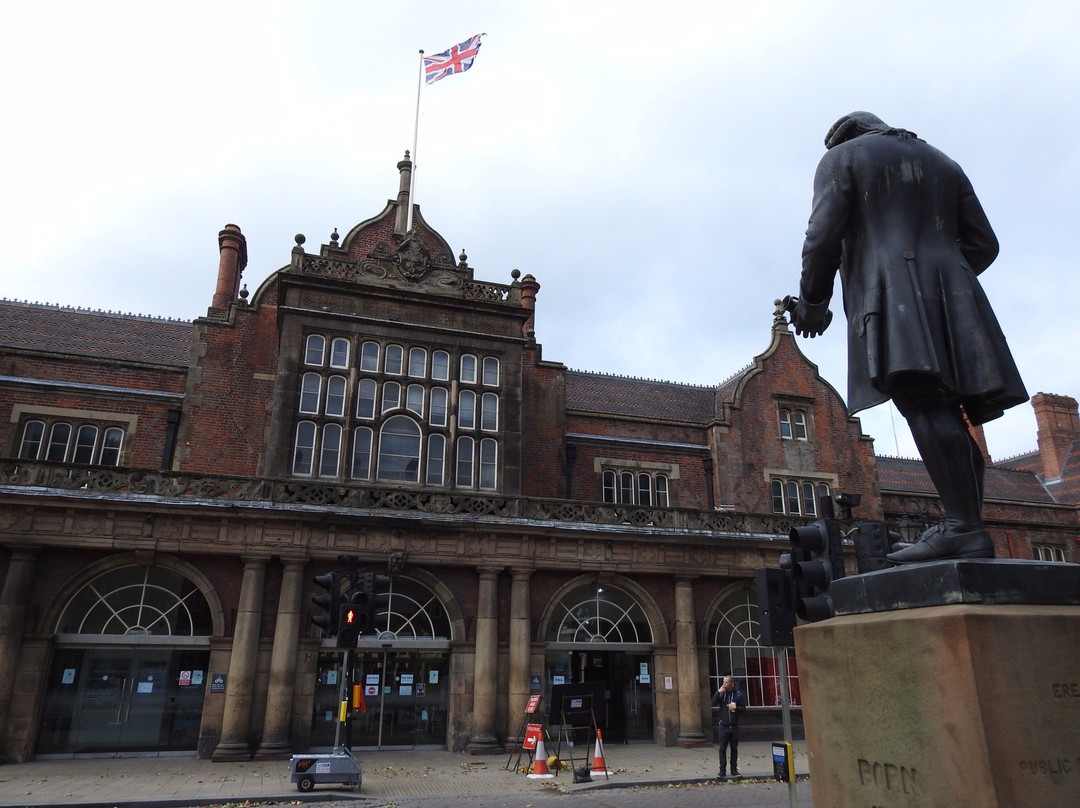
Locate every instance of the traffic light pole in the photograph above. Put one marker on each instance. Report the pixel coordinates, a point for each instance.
(343, 705)
(785, 699)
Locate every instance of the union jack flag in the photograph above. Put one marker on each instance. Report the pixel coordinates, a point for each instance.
(456, 60)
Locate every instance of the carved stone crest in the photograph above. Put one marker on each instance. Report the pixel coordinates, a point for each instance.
(413, 257)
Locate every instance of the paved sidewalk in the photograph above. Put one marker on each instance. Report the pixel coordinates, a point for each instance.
(174, 780)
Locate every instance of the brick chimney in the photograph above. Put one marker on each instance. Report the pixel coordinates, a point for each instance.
(1059, 426)
(233, 249)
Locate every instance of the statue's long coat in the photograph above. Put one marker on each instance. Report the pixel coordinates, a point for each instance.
(901, 222)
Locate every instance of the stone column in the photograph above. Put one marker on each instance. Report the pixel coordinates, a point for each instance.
(236, 722)
(517, 689)
(485, 675)
(690, 733)
(279, 697)
(13, 600)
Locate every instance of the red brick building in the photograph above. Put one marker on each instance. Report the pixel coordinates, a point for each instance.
(169, 490)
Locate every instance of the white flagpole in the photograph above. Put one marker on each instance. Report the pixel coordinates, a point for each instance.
(416, 136)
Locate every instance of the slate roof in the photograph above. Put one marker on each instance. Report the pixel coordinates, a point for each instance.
(639, 398)
(106, 335)
(907, 476)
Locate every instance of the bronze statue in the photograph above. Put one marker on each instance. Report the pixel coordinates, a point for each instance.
(900, 222)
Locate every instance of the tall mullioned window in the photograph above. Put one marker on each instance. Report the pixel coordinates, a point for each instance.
(388, 414)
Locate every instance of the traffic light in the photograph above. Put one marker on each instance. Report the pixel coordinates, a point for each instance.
(776, 606)
(370, 584)
(349, 622)
(873, 541)
(816, 560)
(329, 603)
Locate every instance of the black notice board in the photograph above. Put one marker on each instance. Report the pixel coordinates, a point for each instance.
(562, 696)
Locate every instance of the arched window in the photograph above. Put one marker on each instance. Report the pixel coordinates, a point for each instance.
(410, 611)
(315, 352)
(736, 650)
(59, 437)
(626, 487)
(417, 363)
(491, 371)
(439, 397)
(489, 412)
(793, 497)
(339, 353)
(468, 368)
(361, 459)
(335, 396)
(436, 460)
(391, 396)
(489, 457)
(645, 490)
(598, 613)
(111, 445)
(365, 399)
(414, 399)
(331, 451)
(85, 441)
(464, 476)
(369, 357)
(395, 359)
(440, 366)
(399, 450)
(608, 484)
(138, 600)
(809, 502)
(662, 500)
(33, 433)
(310, 388)
(467, 409)
(304, 453)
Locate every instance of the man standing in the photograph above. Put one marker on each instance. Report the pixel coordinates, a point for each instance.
(900, 222)
(728, 703)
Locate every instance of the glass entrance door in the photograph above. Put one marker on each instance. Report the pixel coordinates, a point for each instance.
(626, 711)
(123, 699)
(406, 696)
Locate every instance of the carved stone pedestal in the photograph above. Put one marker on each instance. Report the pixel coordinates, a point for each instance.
(975, 704)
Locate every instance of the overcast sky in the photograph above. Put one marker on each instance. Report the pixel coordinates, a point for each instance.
(653, 171)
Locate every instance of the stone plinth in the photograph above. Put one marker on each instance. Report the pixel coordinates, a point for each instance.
(968, 705)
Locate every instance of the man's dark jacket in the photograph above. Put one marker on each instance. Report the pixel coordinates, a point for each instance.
(901, 222)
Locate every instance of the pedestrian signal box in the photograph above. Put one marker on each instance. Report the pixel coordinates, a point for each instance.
(783, 762)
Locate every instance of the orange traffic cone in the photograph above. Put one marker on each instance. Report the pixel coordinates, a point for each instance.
(539, 766)
(599, 766)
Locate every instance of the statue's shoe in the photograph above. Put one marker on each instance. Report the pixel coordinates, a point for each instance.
(941, 543)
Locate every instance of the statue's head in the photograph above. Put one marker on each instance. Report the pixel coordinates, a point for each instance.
(851, 126)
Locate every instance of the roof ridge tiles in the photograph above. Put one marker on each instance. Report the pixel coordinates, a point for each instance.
(96, 312)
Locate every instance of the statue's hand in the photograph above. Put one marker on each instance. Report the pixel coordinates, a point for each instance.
(811, 319)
